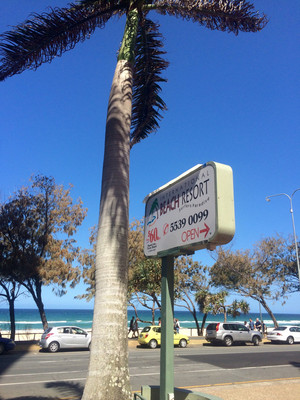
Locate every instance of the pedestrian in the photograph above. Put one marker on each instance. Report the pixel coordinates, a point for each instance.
(246, 324)
(136, 329)
(131, 326)
(251, 324)
(258, 325)
(263, 327)
(159, 321)
(176, 325)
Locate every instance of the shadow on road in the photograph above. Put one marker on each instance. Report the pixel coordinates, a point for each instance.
(66, 390)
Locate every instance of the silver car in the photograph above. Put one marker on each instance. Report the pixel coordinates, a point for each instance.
(65, 337)
(228, 333)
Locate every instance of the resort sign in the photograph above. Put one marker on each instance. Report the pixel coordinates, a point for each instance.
(192, 212)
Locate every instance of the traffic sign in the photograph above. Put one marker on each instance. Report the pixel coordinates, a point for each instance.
(192, 212)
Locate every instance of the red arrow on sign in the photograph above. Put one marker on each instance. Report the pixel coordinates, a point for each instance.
(206, 230)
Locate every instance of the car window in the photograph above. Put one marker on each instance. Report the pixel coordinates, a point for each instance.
(78, 331)
(60, 330)
(48, 330)
(229, 327)
(146, 329)
(292, 329)
(67, 330)
(280, 328)
(211, 327)
(242, 328)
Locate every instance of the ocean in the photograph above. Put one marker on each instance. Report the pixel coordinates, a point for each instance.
(29, 319)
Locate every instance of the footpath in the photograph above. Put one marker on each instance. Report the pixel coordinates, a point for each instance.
(275, 389)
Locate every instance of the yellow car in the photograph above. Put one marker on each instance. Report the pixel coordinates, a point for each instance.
(150, 336)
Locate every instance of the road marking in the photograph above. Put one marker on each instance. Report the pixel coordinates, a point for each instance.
(35, 382)
(216, 370)
(240, 383)
(43, 373)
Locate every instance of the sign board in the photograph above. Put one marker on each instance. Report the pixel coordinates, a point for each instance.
(192, 212)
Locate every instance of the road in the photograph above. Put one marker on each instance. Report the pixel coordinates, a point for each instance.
(62, 375)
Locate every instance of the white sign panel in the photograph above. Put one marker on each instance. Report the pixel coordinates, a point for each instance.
(187, 213)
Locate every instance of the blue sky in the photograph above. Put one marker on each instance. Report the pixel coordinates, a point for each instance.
(233, 100)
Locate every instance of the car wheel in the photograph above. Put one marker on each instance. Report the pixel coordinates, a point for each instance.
(53, 347)
(153, 344)
(182, 343)
(290, 340)
(228, 341)
(255, 340)
(2, 349)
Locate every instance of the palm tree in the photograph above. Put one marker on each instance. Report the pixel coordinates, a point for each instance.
(134, 111)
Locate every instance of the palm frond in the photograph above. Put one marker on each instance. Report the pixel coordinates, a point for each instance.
(147, 104)
(48, 35)
(224, 15)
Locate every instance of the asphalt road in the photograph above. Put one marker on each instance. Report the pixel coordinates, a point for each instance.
(38, 376)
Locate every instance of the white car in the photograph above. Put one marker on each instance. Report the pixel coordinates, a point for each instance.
(65, 337)
(287, 334)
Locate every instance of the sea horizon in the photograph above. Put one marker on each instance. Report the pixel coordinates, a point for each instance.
(28, 319)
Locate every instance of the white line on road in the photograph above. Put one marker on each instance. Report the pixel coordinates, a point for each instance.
(217, 369)
(132, 375)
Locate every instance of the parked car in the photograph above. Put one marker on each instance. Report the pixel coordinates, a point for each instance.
(151, 336)
(229, 333)
(65, 337)
(6, 345)
(287, 334)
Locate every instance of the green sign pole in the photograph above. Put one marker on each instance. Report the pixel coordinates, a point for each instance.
(167, 330)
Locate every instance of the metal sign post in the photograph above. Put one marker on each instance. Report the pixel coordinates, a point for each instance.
(167, 330)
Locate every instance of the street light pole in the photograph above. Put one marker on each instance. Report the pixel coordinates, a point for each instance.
(268, 198)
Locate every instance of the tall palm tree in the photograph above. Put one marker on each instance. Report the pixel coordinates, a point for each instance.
(134, 111)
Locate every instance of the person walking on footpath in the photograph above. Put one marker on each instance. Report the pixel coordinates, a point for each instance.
(131, 326)
(176, 325)
(135, 329)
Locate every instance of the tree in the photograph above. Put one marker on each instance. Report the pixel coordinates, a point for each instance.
(145, 286)
(259, 274)
(287, 265)
(36, 229)
(134, 102)
(190, 278)
(10, 292)
(214, 303)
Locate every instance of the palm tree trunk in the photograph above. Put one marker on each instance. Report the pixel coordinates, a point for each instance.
(108, 375)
